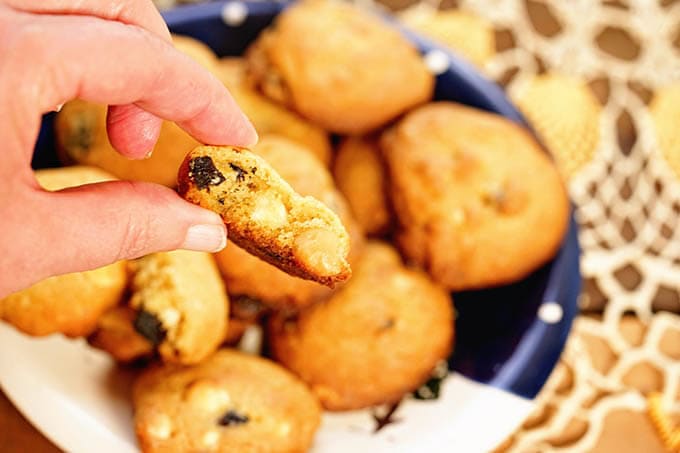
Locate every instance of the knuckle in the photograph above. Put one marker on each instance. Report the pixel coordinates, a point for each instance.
(136, 238)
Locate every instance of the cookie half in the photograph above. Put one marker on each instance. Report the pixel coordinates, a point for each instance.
(264, 215)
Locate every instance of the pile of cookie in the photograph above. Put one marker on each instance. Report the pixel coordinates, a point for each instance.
(355, 167)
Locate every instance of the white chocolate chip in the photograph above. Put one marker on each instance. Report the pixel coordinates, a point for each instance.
(210, 439)
(317, 248)
(284, 429)
(169, 317)
(270, 212)
(160, 426)
(208, 396)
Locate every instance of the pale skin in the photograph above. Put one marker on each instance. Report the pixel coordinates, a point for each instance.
(119, 53)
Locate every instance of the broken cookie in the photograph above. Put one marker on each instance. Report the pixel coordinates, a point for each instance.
(264, 215)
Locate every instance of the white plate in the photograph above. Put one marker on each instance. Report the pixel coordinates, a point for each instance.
(78, 398)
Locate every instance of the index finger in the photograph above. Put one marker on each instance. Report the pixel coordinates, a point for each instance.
(109, 62)
(141, 13)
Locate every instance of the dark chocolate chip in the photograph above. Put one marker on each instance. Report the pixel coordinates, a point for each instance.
(221, 201)
(232, 418)
(240, 173)
(203, 173)
(150, 327)
(430, 389)
(81, 136)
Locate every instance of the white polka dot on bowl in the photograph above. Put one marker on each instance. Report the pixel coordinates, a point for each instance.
(550, 312)
(437, 61)
(234, 13)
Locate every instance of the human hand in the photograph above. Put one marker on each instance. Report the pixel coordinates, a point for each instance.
(119, 53)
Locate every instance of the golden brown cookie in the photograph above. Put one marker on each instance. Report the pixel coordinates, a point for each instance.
(343, 68)
(264, 215)
(468, 34)
(269, 117)
(70, 303)
(377, 338)
(360, 175)
(247, 275)
(232, 402)
(181, 303)
(116, 335)
(82, 138)
(478, 202)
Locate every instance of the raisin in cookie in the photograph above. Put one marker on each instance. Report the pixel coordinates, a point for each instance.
(269, 117)
(247, 275)
(378, 338)
(181, 303)
(232, 402)
(70, 303)
(360, 175)
(478, 202)
(327, 60)
(264, 215)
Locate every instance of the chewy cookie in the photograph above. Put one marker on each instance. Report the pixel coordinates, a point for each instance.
(232, 402)
(181, 304)
(70, 303)
(264, 215)
(247, 275)
(82, 138)
(269, 117)
(327, 59)
(116, 335)
(478, 202)
(360, 175)
(376, 339)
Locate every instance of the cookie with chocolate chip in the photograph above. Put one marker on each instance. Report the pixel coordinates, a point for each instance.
(264, 215)
(327, 59)
(70, 303)
(181, 304)
(232, 402)
(376, 339)
(116, 334)
(478, 201)
(247, 275)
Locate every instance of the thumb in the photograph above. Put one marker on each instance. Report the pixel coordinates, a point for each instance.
(82, 228)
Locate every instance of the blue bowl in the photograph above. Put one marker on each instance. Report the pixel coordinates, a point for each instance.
(508, 337)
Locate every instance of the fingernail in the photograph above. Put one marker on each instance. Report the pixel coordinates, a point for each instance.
(205, 238)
